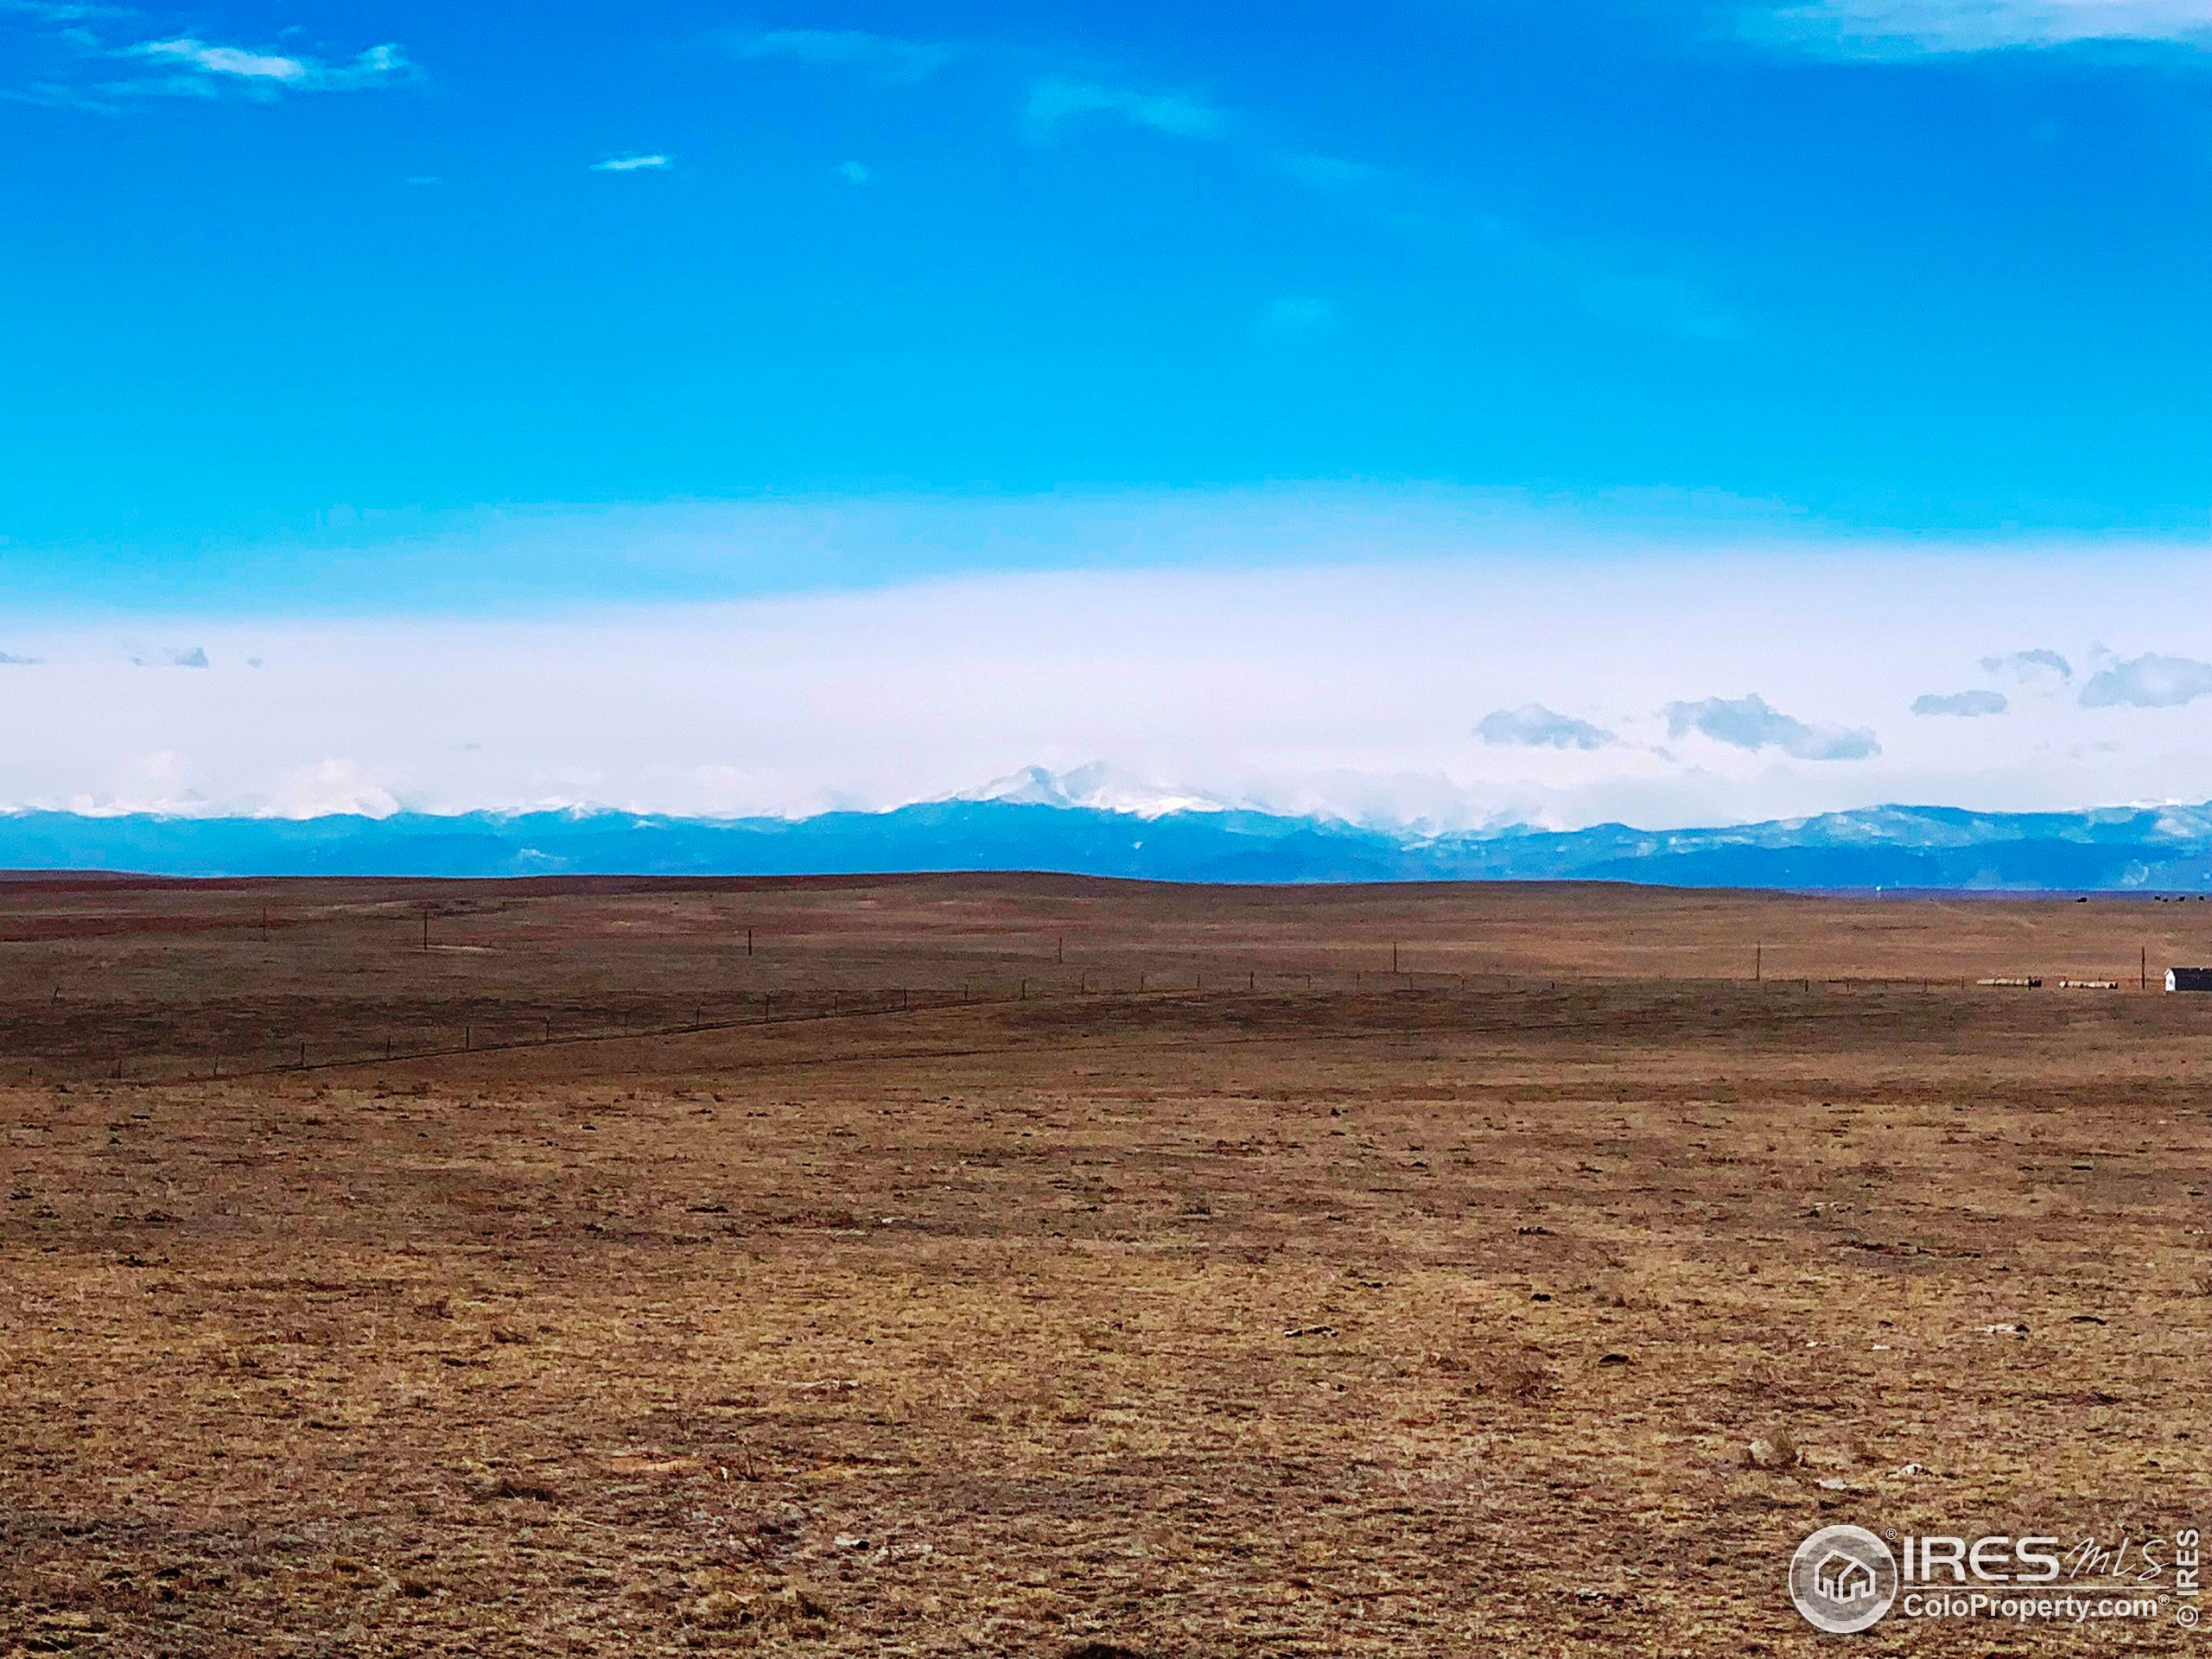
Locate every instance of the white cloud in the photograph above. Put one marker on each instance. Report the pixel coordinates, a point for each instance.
(853, 172)
(201, 68)
(59, 13)
(1912, 28)
(632, 164)
(226, 61)
(10, 659)
(2040, 666)
(1054, 102)
(2148, 682)
(1749, 722)
(887, 55)
(171, 656)
(1969, 704)
(1534, 726)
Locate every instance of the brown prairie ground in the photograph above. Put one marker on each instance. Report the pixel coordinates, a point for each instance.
(1433, 1313)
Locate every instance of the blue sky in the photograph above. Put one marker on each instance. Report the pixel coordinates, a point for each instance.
(491, 314)
(1566, 248)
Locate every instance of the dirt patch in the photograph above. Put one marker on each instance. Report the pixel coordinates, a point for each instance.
(1540, 1311)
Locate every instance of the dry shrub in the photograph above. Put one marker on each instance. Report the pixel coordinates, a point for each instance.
(742, 1462)
(1761, 1379)
(727, 1601)
(1514, 1377)
(1781, 1452)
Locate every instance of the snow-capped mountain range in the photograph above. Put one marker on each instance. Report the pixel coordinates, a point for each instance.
(1096, 822)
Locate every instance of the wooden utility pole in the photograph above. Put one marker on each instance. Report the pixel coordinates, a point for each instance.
(1060, 950)
(1759, 964)
(1393, 958)
(426, 927)
(2143, 968)
(748, 941)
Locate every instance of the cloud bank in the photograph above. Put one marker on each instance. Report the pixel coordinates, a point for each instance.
(1470, 677)
(2036, 667)
(1971, 704)
(171, 656)
(199, 68)
(1534, 726)
(2148, 682)
(1889, 29)
(1749, 722)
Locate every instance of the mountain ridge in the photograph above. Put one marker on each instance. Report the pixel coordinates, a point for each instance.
(2166, 847)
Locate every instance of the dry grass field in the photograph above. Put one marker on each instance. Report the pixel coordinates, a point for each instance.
(1030, 1266)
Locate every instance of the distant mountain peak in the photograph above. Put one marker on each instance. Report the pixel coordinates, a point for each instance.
(1096, 787)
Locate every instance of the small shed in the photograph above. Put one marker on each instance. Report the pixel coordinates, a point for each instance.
(2188, 979)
